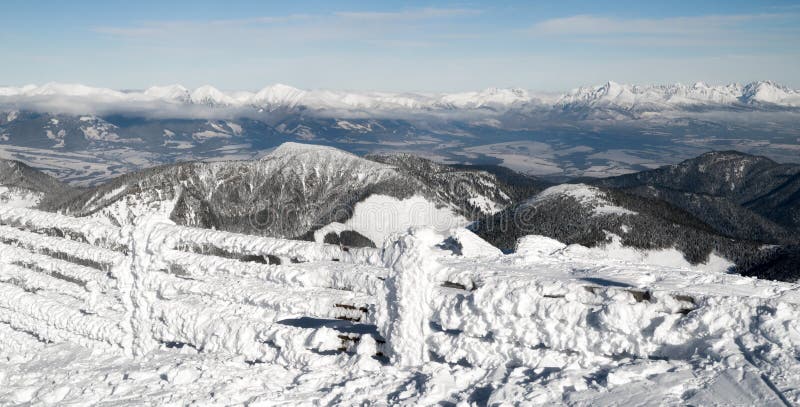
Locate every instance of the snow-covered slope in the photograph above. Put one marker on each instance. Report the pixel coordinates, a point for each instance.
(23, 186)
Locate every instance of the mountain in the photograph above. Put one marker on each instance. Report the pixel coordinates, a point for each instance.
(595, 131)
(633, 97)
(769, 92)
(723, 215)
(605, 217)
(756, 183)
(296, 190)
(477, 190)
(280, 95)
(325, 194)
(21, 185)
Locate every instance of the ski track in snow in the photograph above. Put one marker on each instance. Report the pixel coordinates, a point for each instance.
(91, 313)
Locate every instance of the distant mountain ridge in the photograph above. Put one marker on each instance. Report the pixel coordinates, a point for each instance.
(594, 131)
(23, 186)
(279, 96)
(699, 207)
(596, 216)
(290, 192)
(757, 183)
(14, 174)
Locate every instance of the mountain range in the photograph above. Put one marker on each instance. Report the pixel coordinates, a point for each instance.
(726, 210)
(291, 192)
(280, 96)
(89, 135)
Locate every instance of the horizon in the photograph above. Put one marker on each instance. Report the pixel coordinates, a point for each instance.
(415, 92)
(420, 47)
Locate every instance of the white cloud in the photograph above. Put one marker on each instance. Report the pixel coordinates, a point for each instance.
(598, 25)
(419, 14)
(174, 28)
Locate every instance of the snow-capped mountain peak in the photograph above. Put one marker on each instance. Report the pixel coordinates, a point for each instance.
(209, 95)
(297, 149)
(279, 95)
(64, 89)
(770, 92)
(491, 97)
(317, 158)
(170, 92)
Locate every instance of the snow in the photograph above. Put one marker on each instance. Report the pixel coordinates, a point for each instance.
(485, 204)
(548, 325)
(97, 130)
(237, 129)
(614, 251)
(125, 209)
(59, 137)
(209, 95)
(346, 125)
(209, 134)
(659, 97)
(333, 227)
(171, 92)
(19, 198)
(487, 98)
(280, 96)
(379, 216)
(585, 195)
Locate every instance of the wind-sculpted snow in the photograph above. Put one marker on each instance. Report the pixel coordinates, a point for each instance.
(90, 232)
(295, 250)
(428, 318)
(338, 275)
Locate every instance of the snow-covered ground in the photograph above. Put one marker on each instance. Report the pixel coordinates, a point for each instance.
(135, 316)
(19, 197)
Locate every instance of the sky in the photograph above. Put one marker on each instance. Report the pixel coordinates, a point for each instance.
(397, 46)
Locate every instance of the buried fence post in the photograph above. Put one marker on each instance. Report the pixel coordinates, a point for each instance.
(413, 267)
(133, 281)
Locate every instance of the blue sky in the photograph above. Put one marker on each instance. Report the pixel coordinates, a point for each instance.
(397, 46)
